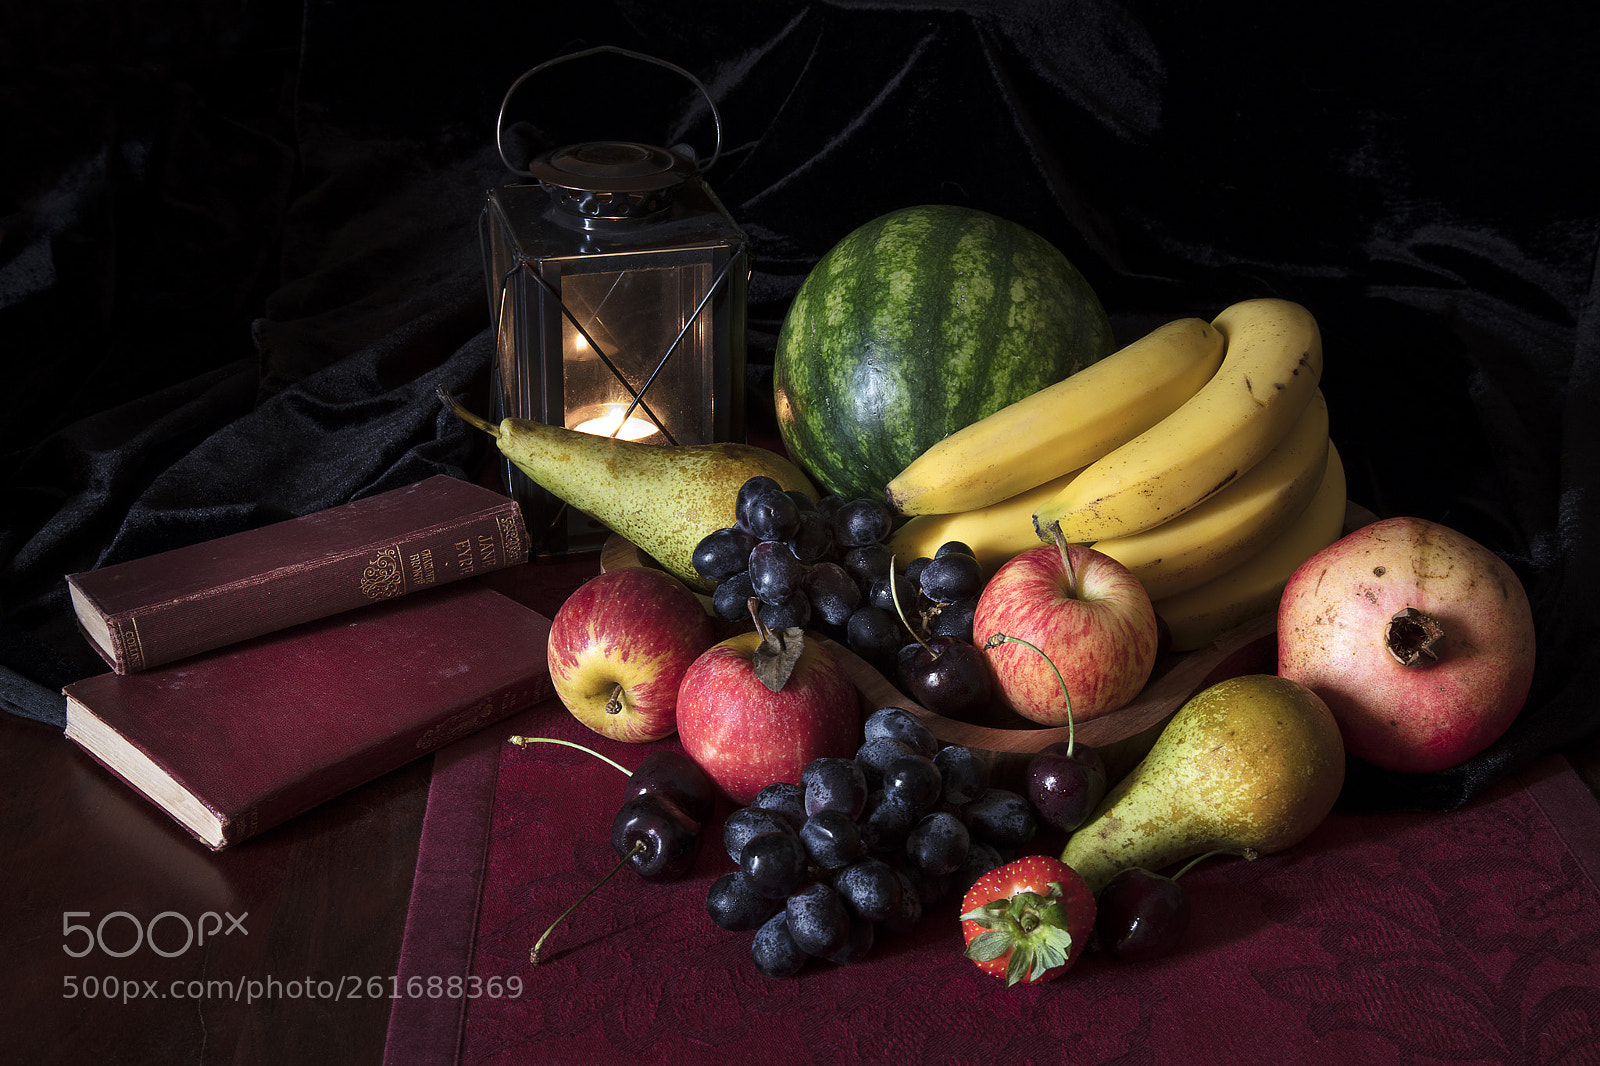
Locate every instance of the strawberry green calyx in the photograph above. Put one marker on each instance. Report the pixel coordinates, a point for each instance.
(1030, 927)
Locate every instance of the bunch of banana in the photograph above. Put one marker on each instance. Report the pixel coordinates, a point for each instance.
(1205, 489)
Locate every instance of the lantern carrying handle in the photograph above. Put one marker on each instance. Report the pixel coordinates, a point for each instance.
(500, 119)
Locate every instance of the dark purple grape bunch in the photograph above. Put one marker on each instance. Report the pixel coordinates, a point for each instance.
(807, 563)
(860, 847)
(1142, 915)
(658, 828)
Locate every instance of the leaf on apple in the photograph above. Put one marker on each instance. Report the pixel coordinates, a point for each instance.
(775, 658)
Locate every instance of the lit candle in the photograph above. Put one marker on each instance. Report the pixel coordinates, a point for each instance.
(612, 424)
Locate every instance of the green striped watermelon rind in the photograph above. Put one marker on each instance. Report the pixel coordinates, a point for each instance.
(916, 324)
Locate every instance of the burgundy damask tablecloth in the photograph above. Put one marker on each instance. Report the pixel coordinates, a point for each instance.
(1467, 937)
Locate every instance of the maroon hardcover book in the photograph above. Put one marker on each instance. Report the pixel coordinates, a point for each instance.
(165, 607)
(238, 740)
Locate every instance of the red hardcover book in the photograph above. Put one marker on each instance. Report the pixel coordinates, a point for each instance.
(238, 740)
(165, 607)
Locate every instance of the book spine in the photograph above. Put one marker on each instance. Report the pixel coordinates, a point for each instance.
(337, 778)
(266, 603)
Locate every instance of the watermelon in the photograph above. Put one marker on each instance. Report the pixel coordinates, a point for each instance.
(916, 324)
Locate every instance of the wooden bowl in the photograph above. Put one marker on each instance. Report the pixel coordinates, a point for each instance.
(1124, 735)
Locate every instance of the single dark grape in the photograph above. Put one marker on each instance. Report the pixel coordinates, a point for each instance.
(870, 888)
(775, 573)
(1141, 915)
(1066, 783)
(802, 500)
(749, 822)
(731, 599)
(818, 919)
(885, 822)
(833, 593)
(736, 906)
(862, 521)
(867, 563)
(963, 774)
(954, 619)
(874, 633)
(832, 840)
(884, 590)
(981, 858)
(954, 547)
(667, 844)
(915, 779)
(771, 516)
(722, 553)
(938, 844)
(785, 798)
(1001, 817)
(829, 504)
(833, 783)
(774, 863)
(875, 755)
(756, 486)
(913, 569)
(902, 725)
(812, 539)
(774, 950)
(951, 577)
(794, 612)
(909, 914)
(857, 944)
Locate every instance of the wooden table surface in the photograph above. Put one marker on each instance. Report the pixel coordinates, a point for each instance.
(302, 926)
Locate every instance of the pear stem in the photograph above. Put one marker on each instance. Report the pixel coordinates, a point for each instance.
(1072, 729)
(525, 741)
(1248, 854)
(467, 416)
(533, 956)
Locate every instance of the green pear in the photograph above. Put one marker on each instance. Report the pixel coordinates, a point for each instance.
(1254, 762)
(664, 498)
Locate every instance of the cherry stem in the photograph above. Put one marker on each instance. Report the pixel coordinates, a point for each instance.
(1072, 730)
(524, 741)
(1248, 854)
(894, 594)
(533, 956)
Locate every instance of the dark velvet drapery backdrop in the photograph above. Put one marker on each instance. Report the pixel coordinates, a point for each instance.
(238, 244)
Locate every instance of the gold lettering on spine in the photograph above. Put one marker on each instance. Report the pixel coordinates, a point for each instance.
(132, 648)
(458, 725)
(486, 553)
(510, 536)
(421, 565)
(382, 577)
(464, 557)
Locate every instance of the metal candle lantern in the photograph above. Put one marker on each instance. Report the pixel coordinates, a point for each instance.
(617, 289)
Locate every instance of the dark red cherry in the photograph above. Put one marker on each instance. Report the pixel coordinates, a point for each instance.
(1141, 915)
(947, 676)
(1066, 782)
(655, 838)
(672, 773)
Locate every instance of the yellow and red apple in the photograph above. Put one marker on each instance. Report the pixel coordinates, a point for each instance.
(619, 647)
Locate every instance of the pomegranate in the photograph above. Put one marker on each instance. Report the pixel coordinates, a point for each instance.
(1418, 638)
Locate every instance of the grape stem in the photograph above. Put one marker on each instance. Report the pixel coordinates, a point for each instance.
(1004, 638)
(894, 594)
(525, 741)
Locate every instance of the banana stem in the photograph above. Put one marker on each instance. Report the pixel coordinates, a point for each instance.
(467, 416)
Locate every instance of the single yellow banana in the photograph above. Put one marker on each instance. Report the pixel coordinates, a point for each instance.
(995, 533)
(1061, 427)
(1271, 368)
(1235, 523)
(1253, 588)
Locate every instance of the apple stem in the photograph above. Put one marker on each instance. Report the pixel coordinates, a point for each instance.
(1004, 638)
(533, 956)
(614, 703)
(1066, 562)
(524, 741)
(1248, 854)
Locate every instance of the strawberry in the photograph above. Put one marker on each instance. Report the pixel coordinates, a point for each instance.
(1027, 921)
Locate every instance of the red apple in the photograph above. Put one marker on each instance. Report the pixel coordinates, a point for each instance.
(1094, 622)
(1418, 638)
(619, 647)
(747, 736)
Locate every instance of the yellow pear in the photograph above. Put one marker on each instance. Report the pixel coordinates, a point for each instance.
(1253, 762)
(664, 498)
